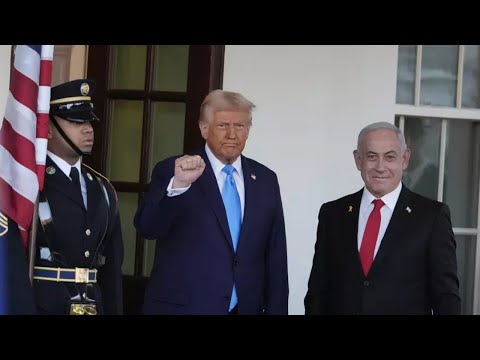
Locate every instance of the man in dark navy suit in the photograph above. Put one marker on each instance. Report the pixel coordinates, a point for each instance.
(384, 249)
(79, 241)
(218, 220)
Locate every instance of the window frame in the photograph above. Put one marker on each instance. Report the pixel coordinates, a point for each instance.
(445, 113)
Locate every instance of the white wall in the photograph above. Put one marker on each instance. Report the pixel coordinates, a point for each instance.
(311, 103)
(4, 77)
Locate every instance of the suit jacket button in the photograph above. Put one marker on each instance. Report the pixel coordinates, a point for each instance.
(88, 232)
(366, 283)
(235, 262)
(87, 254)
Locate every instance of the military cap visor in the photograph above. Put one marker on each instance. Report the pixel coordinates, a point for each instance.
(72, 101)
(76, 116)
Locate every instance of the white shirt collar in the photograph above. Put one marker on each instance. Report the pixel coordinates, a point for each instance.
(390, 199)
(63, 165)
(217, 165)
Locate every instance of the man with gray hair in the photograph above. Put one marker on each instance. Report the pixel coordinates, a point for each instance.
(384, 249)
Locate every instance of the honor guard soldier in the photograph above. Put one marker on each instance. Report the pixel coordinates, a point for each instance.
(79, 241)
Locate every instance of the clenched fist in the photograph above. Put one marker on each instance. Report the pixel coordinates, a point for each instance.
(187, 170)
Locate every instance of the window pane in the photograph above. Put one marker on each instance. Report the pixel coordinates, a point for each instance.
(171, 67)
(128, 204)
(128, 67)
(423, 138)
(462, 171)
(149, 256)
(439, 75)
(407, 58)
(167, 131)
(126, 140)
(466, 249)
(471, 77)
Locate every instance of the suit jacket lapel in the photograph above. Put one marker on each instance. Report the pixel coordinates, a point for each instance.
(56, 179)
(352, 212)
(397, 222)
(208, 185)
(250, 193)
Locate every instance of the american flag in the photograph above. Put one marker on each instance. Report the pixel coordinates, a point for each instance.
(23, 134)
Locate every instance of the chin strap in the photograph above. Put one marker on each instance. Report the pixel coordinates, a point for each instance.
(72, 145)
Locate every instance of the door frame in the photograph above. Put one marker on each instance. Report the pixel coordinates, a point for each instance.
(205, 73)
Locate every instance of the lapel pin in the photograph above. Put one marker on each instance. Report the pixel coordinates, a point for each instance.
(89, 177)
(350, 208)
(50, 170)
(253, 176)
(408, 209)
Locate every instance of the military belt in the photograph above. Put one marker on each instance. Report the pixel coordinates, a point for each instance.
(76, 275)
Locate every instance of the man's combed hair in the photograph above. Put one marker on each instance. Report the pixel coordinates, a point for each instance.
(221, 100)
(382, 126)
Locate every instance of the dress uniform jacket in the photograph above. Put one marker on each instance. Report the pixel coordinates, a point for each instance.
(75, 237)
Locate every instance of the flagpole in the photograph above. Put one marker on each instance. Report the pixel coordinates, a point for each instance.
(32, 241)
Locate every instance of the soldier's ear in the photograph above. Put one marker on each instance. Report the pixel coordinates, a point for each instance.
(50, 130)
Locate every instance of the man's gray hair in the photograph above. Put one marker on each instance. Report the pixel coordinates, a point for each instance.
(382, 126)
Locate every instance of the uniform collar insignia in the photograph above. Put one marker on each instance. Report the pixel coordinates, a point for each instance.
(3, 224)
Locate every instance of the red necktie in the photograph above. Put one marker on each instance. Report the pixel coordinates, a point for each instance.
(370, 236)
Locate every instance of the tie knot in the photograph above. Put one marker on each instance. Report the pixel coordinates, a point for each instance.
(228, 169)
(377, 204)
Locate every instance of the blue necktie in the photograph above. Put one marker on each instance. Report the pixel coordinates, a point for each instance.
(231, 200)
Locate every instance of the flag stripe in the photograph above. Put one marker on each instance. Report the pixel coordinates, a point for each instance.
(43, 100)
(26, 127)
(20, 208)
(24, 133)
(24, 90)
(36, 48)
(18, 148)
(27, 62)
(41, 154)
(19, 177)
(45, 73)
(47, 54)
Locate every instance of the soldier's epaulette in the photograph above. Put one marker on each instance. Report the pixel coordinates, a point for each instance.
(96, 172)
(103, 177)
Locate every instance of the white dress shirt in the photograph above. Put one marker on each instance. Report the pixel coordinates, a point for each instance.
(66, 167)
(386, 212)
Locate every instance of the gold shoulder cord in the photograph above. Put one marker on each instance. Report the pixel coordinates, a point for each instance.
(104, 178)
(96, 172)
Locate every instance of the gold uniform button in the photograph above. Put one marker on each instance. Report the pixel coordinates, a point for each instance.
(88, 232)
(87, 254)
